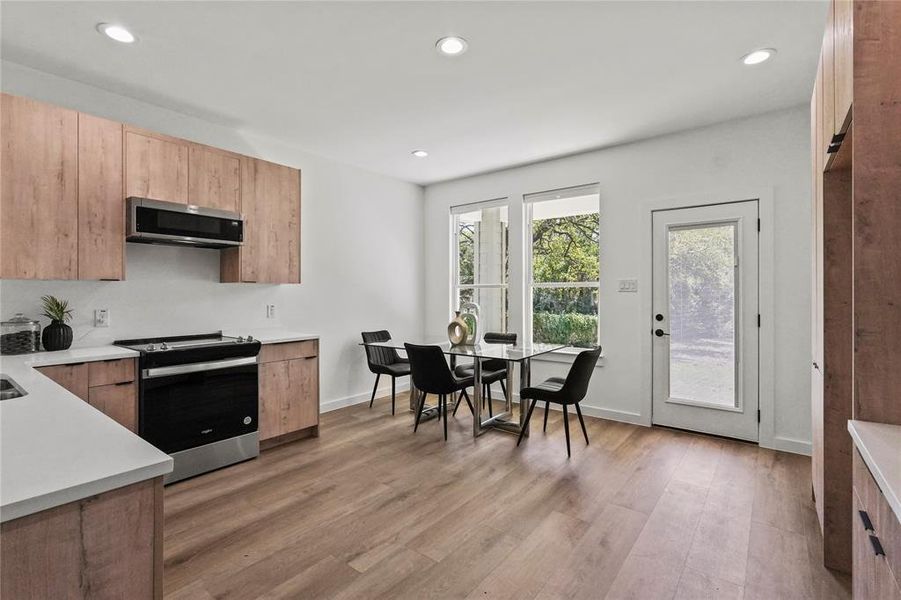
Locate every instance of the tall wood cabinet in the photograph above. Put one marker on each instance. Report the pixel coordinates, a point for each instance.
(856, 275)
(66, 176)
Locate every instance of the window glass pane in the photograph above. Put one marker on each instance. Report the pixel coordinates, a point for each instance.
(565, 240)
(493, 307)
(565, 316)
(702, 314)
(482, 245)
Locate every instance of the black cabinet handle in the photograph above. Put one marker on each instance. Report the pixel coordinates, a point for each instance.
(125, 382)
(865, 518)
(877, 546)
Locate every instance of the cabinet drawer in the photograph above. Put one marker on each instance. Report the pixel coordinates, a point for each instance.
(289, 350)
(885, 523)
(73, 377)
(119, 401)
(106, 372)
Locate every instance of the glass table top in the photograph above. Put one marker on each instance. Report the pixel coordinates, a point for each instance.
(516, 353)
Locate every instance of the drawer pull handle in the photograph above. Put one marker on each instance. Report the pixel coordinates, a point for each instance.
(125, 382)
(865, 519)
(877, 546)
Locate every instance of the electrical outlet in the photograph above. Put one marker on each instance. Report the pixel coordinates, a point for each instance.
(627, 285)
(101, 317)
(270, 311)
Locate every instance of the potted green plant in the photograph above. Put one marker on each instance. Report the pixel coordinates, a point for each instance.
(57, 335)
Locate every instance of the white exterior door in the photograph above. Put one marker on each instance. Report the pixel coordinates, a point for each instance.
(705, 322)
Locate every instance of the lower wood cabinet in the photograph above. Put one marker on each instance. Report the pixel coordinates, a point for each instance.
(289, 390)
(876, 540)
(110, 386)
(104, 546)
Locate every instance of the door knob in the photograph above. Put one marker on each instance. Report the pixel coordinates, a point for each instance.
(660, 333)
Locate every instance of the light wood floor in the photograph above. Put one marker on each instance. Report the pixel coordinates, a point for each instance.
(369, 510)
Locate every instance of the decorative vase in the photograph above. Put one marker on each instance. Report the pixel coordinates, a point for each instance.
(457, 330)
(470, 316)
(56, 336)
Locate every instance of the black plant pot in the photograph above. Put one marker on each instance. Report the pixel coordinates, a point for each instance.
(56, 336)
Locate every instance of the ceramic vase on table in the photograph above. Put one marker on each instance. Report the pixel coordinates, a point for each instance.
(457, 330)
(470, 315)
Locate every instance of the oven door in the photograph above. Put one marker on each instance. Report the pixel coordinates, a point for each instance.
(191, 405)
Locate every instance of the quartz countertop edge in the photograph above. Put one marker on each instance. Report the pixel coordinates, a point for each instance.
(55, 448)
(879, 445)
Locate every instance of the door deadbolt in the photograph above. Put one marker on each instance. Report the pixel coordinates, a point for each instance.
(658, 317)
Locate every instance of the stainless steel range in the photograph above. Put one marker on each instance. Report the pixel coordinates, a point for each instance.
(198, 399)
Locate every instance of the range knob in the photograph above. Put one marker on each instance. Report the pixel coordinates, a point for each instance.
(239, 340)
(249, 338)
(164, 346)
(150, 347)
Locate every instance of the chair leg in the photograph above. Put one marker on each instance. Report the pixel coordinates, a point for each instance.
(528, 418)
(582, 422)
(444, 411)
(490, 401)
(457, 404)
(547, 406)
(419, 411)
(374, 388)
(468, 402)
(566, 429)
(504, 388)
(393, 380)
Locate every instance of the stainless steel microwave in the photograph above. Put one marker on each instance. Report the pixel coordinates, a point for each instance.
(173, 223)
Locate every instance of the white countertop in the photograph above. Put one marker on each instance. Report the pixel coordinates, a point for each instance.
(272, 335)
(880, 447)
(55, 448)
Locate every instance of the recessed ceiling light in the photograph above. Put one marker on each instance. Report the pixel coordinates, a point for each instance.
(419, 153)
(116, 32)
(758, 56)
(451, 45)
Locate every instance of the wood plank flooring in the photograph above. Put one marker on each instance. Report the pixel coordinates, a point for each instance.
(370, 510)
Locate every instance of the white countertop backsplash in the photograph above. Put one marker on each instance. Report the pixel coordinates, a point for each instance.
(880, 447)
(55, 448)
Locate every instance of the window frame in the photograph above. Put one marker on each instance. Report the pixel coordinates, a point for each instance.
(456, 286)
(529, 284)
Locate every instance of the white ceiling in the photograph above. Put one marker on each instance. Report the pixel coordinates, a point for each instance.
(362, 83)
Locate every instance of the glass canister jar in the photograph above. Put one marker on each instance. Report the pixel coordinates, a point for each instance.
(20, 335)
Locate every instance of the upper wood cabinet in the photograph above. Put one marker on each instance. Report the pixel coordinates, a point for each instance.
(270, 202)
(827, 57)
(214, 178)
(39, 212)
(156, 166)
(101, 207)
(843, 62)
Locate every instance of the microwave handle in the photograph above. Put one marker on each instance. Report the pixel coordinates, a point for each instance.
(197, 367)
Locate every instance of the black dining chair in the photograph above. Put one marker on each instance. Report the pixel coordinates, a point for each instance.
(384, 361)
(493, 370)
(557, 390)
(431, 375)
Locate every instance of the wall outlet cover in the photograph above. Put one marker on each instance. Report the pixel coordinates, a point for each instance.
(627, 285)
(270, 311)
(101, 317)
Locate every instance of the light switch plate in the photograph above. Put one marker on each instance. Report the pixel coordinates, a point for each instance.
(101, 317)
(627, 285)
(270, 311)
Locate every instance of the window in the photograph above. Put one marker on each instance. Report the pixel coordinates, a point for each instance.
(481, 261)
(563, 265)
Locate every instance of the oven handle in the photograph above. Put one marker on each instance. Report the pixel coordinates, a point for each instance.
(197, 367)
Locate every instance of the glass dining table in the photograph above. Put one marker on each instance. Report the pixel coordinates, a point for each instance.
(513, 354)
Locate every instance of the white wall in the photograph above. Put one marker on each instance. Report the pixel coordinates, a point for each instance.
(769, 153)
(351, 220)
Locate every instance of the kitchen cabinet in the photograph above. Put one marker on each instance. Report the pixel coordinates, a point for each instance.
(39, 197)
(110, 386)
(289, 391)
(213, 178)
(101, 209)
(876, 540)
(843, 62)
(827, 56)
(270, 202)
(156, 166)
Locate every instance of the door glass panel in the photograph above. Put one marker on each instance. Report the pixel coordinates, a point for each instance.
(702, 282)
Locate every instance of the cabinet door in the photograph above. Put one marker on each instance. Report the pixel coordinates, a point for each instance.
(270, 202)
(72, 377)
(843, 50)
(213, 178)
(289, 396)
(101, 203)
(828, 57)
(156, 166)
(39, 197)
(119, 401)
